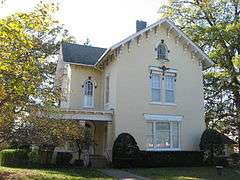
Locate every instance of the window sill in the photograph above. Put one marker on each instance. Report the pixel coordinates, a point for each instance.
(166, 149)
(88, 107)
(163, 104)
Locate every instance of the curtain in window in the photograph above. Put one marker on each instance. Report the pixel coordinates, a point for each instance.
(156, 85)
(169, 89)
(88, 94)
(162, 135)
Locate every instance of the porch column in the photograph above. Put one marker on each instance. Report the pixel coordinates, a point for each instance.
(109, 141)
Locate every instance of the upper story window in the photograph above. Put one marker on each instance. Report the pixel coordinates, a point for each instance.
(155, 87)
(162, 51)
(88, 93)
(169, 89)
(107, 89)
(162, 88)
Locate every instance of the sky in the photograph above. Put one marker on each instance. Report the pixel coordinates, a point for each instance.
(104, 22)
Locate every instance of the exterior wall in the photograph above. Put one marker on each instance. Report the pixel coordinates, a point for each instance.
(133, 89)
(79, 74)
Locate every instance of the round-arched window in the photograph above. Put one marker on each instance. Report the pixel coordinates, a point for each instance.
(162, 51)
(88, 93)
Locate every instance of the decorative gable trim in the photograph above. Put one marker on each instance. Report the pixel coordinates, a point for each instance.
(172, 27)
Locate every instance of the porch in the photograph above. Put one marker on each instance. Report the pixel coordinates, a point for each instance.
(100, 123)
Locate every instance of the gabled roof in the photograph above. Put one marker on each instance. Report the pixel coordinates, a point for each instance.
(81, 54)
(206, 61)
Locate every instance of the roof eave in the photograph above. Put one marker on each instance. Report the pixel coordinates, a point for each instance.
(207, 61)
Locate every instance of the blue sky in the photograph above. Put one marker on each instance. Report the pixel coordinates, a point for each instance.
(104, 22)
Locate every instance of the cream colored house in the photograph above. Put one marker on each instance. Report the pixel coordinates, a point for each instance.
(149, 85)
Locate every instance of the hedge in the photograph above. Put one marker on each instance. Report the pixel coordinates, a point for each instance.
(63, 159)
(13, 157)
(152, 159)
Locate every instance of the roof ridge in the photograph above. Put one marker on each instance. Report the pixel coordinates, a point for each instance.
(82, 45)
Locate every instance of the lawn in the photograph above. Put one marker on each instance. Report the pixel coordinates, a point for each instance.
(181, 173)
(47, 174)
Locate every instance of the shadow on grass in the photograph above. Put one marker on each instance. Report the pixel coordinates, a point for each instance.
(187, 173)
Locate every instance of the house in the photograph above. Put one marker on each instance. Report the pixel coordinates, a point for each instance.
(149, 85)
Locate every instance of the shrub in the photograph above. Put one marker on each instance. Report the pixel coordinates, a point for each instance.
(171, 158)
(212, 145)
(220, 161)
(151, 159)
(63, 159)
(33, 157)
(13, 157)
(124, 147)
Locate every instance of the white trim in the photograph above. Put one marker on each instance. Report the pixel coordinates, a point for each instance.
(162, 103)
(93, 92)
(156, 24)
(156, 69)
(163, 149)
(160, 117)
(80, 64)
(107, 75)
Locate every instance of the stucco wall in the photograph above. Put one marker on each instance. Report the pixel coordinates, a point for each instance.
(133, 90)
(79, 74)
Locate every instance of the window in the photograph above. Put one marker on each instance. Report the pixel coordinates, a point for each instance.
(162, 51)
(155, 87)
(169, 89)
(107, 90)
(88, 94)
(163, 135)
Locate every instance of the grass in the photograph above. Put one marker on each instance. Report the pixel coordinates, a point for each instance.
(53, 174)
(184, 173)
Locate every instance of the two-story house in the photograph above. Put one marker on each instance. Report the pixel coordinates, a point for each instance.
(149, 85)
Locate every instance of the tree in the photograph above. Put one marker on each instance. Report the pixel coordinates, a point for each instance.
(28, 43)
(212, 144)
(215, 26)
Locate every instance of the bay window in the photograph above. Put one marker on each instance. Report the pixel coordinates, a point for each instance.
(162, 135)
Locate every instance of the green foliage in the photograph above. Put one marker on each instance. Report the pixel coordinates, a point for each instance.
(34, 157)
(212, 145)
(29, 42)
(215, 26)
(63, 158)
(13, 157)
(124, 147)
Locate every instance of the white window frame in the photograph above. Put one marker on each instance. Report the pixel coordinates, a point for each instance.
(107, 90)
(160, 56)
(165, 89)
(160, 88)
(171, 72)
(153, 118)
(93, 89)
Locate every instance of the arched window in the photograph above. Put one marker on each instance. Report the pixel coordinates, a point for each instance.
(162, 51)
(88, 93)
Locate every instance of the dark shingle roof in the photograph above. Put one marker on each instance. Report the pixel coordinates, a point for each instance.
(82, 54)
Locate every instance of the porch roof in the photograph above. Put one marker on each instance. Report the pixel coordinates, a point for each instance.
(87, 115)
